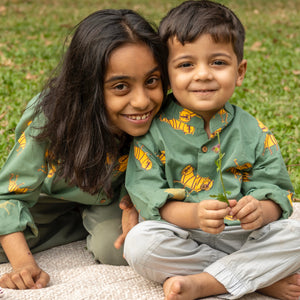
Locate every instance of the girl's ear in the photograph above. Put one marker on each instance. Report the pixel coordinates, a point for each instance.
(241, 72)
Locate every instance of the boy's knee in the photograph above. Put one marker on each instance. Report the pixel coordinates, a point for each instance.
(137, 243)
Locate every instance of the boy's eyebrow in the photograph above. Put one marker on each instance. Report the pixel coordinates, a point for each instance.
(190, 56)
(222, 54)
(123, 77)
(182, 57)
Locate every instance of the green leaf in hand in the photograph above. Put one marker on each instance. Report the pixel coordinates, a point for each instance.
(222, 196)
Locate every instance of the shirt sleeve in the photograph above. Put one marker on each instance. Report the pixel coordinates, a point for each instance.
(269, 178)
(21, 178)
(145, 179)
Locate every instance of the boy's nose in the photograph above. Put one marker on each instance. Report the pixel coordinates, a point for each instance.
(203, 73)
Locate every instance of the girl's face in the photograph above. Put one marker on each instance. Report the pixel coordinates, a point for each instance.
(132, 89)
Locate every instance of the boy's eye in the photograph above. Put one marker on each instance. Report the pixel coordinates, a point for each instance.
(185, 65)
(219, 62)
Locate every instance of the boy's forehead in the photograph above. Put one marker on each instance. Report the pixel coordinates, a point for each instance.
(175, 42)
(204, 42)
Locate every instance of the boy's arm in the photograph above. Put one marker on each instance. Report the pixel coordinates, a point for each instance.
(26, 273)
(269, 181)
(208, 215)
(145, 180)
(154, 199)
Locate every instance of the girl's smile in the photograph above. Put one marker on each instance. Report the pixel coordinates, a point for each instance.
(132, 95)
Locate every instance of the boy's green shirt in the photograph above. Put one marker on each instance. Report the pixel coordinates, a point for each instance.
(27, 174)
(176, 160)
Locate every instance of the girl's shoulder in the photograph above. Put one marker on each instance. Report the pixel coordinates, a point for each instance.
(30, 117)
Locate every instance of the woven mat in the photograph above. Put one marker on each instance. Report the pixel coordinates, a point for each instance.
(76, 276)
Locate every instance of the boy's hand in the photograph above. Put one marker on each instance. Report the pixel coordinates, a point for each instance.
(211, 214)
(27, 277)
(129, 219)
(249, 211)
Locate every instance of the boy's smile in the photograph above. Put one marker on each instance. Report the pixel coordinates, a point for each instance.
(203, 74)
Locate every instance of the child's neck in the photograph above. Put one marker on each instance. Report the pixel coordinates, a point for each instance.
(207, 128)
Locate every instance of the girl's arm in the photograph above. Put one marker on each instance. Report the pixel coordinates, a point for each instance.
(26, 273)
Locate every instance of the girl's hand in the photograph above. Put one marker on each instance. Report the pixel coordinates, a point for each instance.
(211, 214)
(129, 219)
(27, 277)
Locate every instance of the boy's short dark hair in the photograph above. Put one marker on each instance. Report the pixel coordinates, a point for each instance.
(191, 19)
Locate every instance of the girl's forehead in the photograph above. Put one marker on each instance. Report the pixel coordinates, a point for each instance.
(130, 60)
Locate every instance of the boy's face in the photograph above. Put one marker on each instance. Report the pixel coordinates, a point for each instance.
(203, 74)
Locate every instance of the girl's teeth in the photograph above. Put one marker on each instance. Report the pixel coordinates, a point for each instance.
(143, 117)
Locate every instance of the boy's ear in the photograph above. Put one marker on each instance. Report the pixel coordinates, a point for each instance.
(241, 72)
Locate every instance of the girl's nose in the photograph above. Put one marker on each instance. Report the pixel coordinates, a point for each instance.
(140, 99)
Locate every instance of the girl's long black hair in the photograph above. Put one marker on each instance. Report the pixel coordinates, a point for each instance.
(77, 127)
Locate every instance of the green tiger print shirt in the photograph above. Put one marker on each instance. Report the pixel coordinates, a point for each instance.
(176, 160)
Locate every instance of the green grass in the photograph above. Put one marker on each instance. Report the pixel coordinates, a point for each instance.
(33, 32)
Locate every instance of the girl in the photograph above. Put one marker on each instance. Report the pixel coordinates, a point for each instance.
(72, 143)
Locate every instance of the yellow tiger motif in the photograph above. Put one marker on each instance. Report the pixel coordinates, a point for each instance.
(162, 157)
(195, 183)
(178, 125)
(123, 161)
(143, 158)
(5, 204)
(186, 115)
(13, 187)
(239, 172)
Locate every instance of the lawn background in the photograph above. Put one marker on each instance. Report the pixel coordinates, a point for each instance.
(32, 34)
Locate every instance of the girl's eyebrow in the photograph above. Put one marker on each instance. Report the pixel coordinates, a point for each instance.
(124, 77)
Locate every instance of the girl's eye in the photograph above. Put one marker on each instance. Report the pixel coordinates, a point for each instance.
(152, 82)
(120, 87)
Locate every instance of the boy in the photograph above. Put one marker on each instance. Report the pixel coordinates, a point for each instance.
(194, 244)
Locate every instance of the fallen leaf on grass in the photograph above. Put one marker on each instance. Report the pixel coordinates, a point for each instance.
(30, 76)
(2, 9)
(296, 72)
(4, 123)
(256, 46)
(3, 115)
(4, 61)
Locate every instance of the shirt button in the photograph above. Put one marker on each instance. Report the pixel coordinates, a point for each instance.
(204, 149)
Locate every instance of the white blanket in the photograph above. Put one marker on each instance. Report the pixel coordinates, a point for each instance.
(75, 276)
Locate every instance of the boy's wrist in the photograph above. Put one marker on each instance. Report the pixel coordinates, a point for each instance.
(271, 211)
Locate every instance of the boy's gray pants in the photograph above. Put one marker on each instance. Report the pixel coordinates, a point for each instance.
(243, 261)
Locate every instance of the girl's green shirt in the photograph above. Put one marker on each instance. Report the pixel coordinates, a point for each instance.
(27, 174)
